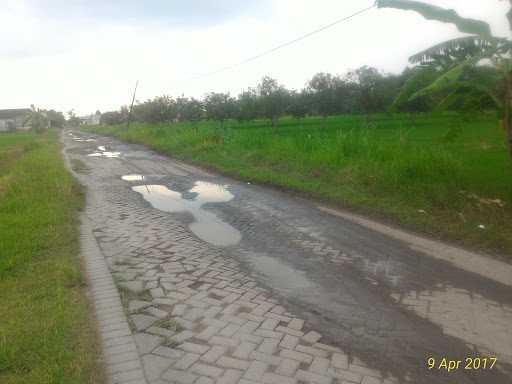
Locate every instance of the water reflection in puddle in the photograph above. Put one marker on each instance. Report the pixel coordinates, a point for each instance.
(279, 274)
(133, 178)
(206, 225)
(105, 154)
(104, 151)
(471, 317)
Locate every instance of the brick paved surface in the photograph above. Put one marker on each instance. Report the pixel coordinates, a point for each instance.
(194, 313)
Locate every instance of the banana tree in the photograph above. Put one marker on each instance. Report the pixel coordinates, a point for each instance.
(457, 60)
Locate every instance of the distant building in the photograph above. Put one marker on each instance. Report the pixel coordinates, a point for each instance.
(14, 119)
(93, 119)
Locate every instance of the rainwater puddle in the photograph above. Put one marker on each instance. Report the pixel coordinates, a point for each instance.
(103, 151)
(206, 226)
(105, 154)
(468, 316)
(133, 178)
(276, 272)
(80, 140)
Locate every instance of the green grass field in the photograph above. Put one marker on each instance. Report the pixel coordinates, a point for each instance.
(46, 332)
(445, 175)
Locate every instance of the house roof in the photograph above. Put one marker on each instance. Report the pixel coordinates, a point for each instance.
(11, 113)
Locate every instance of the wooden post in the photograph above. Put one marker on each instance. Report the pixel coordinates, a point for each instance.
(131, 106)
(509, 15)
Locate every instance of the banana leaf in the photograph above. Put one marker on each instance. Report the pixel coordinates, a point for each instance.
(431, 12)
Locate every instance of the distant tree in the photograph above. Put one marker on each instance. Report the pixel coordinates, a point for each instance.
(273, 99)
(73, 120)
(55, 119)
(376, 91)
(299, 104)
(247, 105)
(347, 94)
(112, 118)
(179, 110)
(38, 119)
(323, 88)
(414, 79)
(192, 110)
(160, 109)
(219, 107)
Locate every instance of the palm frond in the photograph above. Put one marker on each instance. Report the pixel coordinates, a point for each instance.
(487, 80)
(431, 12)
(466, 75)
(455, 50)
(448, 79)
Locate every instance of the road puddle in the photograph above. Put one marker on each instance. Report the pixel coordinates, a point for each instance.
(133, 178)
(104, 151)
(483, 323)
(105, 154)
(81, 140)
(279, 274)
(206, 226)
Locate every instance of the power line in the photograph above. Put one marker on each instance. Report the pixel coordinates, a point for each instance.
(271, 50)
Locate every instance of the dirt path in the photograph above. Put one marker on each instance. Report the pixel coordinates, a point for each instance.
(227, 282)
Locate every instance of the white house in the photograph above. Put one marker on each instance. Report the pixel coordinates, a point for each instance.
(14, 119)
(93, 119)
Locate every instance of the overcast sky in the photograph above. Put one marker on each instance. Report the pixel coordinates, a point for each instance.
(87, 54)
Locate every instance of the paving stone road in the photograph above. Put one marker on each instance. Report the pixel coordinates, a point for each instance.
(198, 278)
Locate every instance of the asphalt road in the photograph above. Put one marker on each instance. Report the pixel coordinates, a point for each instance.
(383, 300)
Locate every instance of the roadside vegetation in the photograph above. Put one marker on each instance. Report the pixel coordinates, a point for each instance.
(46, 332)
(445, 174)
(430, 148)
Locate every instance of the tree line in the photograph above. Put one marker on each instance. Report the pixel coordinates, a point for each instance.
(42, 119)
(365, 90)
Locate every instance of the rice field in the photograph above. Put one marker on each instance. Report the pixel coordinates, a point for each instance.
(446, 175)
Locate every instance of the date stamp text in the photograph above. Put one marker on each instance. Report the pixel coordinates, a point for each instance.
(468, 364)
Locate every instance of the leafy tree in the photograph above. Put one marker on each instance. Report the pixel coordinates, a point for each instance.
(376, 91)
(273, 99)
(456, 59)
(347, 94)
(157, 110)
(112, 118)
(219, 107)
(41, 119)
(415, 78)
(38, 119)
(55, 119)
(299, 104)
(323, 88)
(192, 110)
(73, 119)
(247, 106)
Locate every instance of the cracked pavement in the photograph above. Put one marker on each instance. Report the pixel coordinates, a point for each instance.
(302, 296)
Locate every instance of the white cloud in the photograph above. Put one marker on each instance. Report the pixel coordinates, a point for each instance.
(56, 63)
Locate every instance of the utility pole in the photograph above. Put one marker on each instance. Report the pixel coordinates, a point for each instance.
(131, 106)
(509, 15)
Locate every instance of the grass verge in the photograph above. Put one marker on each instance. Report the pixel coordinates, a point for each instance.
(46, 331)
(446, 175)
